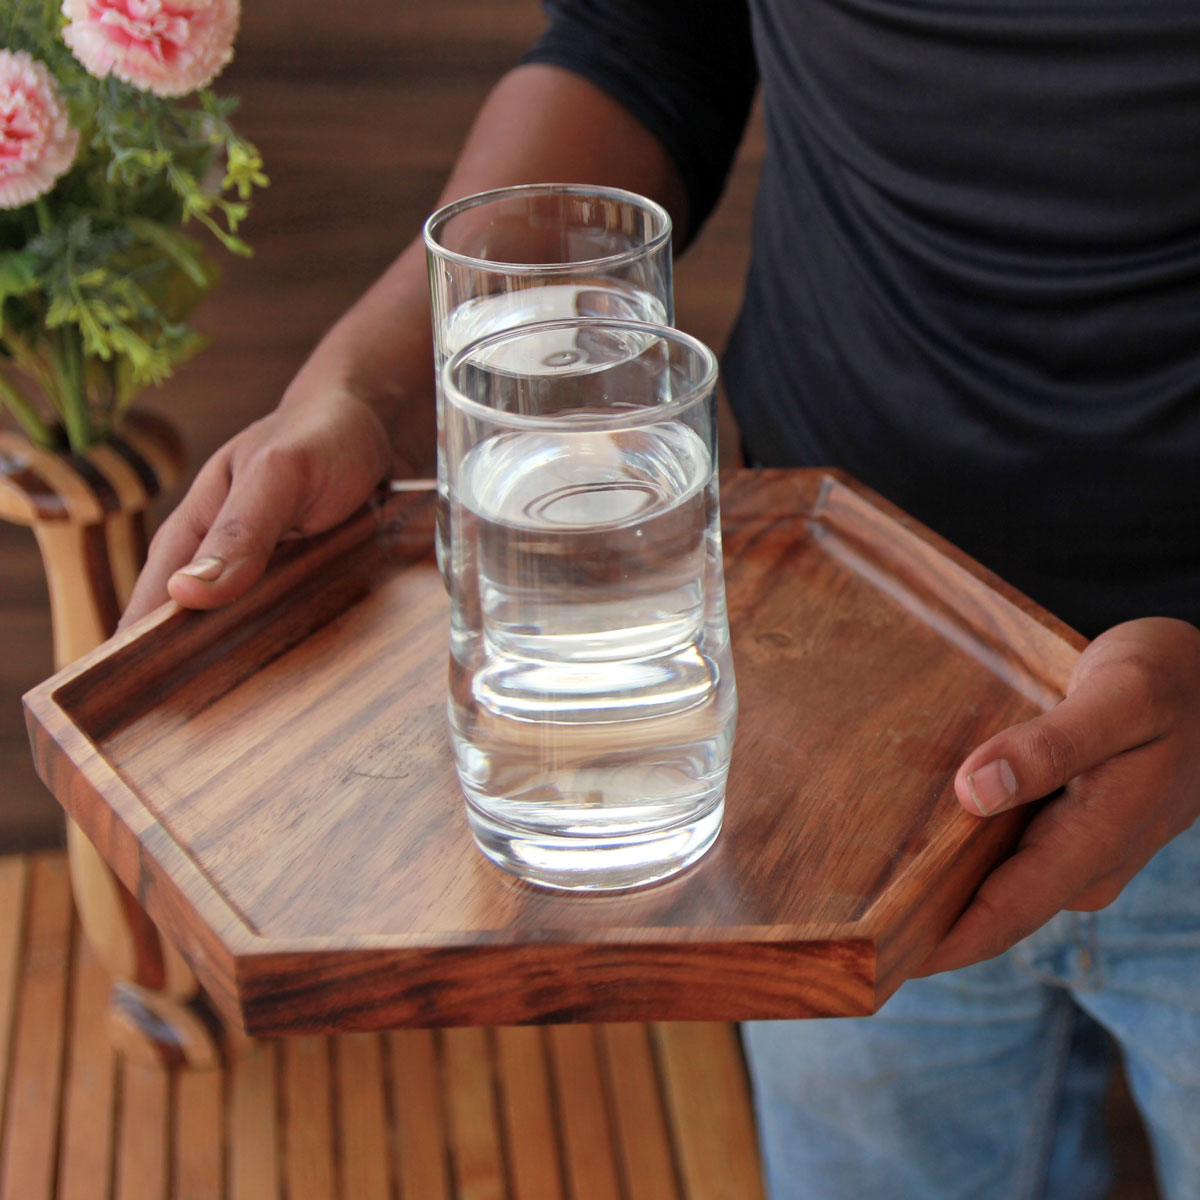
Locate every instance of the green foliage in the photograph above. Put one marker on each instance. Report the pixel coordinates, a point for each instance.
(97, 277)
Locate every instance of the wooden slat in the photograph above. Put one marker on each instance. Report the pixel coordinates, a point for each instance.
(198, 1146)
(308, 1115)
(29, 1151)
(420, 1127)
(527, 1102)
(364, 1159)
(82, 607)
(472, 1119)
(588, 1145)
(650, 1172)
(86, 1150)
(708, 1105)
(577, 1108)
(142, 1168)
(253, 1131)
(14, 880)
(72, 496)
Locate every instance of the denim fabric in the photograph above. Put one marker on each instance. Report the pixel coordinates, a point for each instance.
(988, 1083)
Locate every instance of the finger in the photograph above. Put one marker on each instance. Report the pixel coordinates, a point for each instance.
(1034, 884)
(1032, 760)
(1016, 900)
(1126, 804)
(260, 507)
(177, 538)
(1078, 853)
(1105, 890)
(173, 545)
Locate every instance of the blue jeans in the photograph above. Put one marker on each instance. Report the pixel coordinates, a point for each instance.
(988, 1083)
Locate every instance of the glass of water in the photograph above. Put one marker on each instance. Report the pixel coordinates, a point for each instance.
(540, 252)
(592, 699)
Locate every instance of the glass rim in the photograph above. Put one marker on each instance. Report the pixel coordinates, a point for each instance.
(628, 418)
(478, 199)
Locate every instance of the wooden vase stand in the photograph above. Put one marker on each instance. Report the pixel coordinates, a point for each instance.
(87, 511)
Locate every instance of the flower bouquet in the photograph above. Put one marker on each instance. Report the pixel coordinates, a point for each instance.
(110, 144)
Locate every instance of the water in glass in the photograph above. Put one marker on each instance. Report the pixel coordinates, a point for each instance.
(592, 701)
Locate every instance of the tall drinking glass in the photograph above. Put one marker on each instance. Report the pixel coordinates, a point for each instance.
(540, 252)
(592, 698)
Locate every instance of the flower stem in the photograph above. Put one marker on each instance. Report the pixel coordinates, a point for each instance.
(73, 403)
(25, 414)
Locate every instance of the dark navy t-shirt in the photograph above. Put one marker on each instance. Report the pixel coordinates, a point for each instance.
(975, 280)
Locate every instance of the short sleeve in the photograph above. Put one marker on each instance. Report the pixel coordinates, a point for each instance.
(684, 68)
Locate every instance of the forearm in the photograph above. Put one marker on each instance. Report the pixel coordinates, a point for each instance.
(540, 124)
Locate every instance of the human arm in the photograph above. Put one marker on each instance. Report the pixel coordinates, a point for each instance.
(362, 404)
(651, 97)
(1124, 748)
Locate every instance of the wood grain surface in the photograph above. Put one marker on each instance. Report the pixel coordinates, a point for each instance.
(458, 1114)
(274, 783)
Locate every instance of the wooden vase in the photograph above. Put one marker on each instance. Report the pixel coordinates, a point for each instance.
(87, 511)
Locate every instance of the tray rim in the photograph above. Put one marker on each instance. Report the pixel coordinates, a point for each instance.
(167, 881)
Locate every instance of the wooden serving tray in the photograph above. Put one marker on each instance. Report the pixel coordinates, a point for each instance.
(274, 783)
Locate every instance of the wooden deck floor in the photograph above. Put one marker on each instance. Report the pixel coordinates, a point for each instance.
(609, 1112)
(358, 111)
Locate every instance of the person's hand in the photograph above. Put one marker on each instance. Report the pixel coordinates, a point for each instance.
(298, 471)
(1124, 748)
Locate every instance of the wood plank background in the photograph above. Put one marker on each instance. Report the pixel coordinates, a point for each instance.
(358, 109)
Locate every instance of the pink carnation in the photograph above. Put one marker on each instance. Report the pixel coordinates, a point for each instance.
(168, 47)
(37, 144)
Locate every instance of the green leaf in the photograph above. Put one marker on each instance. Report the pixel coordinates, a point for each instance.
(18, 272)
(18, 277)
(97, 278)
(182, 251)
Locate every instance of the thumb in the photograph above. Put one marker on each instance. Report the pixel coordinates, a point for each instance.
(1029, 761)
(233, 554)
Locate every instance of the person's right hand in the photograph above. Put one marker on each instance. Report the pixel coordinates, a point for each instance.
(298, 471)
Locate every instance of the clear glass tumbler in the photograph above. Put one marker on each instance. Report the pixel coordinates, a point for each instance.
(592, 699)
(540, 252)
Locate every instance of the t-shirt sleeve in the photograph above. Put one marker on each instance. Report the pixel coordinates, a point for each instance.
(684, 68)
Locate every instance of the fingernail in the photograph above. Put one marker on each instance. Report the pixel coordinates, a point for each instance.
(992, 787)
(207, 569)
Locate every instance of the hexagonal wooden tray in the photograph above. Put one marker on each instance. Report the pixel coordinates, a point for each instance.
(273, 781)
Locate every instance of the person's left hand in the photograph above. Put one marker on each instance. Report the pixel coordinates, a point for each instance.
(1124, 747)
